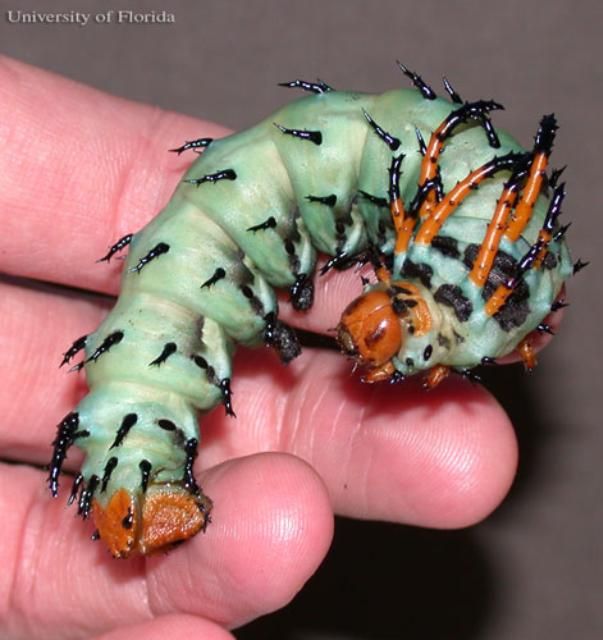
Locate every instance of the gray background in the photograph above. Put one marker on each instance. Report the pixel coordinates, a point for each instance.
(534, 569)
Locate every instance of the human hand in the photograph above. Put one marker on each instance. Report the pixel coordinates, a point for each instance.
(79, 169)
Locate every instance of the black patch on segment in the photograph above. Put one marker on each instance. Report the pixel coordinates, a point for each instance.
(75, 348)
(400, 306)
(329, 201)
(379, 202)
(410, 362)
(158, 250)
(118, 246)
(426, 91)
(452, 296)
(227, 397)
(168, 349)
(145, 473)
(550, 261)
(75, 488)
(166, 425)
(516, 309)
(128, 520)
(289, 247)
(458, 337)
(195, 145)
(95, 535)
(443, 341)
(109, 467)
(254, 301)
(420, 270)
(110, 341)
(66, 434)
(281, 338)
(127, 423)
(314, 87)
(447, 246)
(224, 174)
(210, 372)
(427, 352)
(312, 136)
(85, 501)
(302, 292)
(391, 141)
(189, 482)
(218, 275)
(269, 223)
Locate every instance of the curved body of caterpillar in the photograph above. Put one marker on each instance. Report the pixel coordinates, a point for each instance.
(465, 275)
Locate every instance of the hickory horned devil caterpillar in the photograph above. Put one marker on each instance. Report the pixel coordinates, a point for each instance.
(464, 276)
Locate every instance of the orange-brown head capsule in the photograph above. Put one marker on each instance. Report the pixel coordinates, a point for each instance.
(370, 330)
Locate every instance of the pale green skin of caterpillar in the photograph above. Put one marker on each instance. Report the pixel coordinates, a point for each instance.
(207, 227)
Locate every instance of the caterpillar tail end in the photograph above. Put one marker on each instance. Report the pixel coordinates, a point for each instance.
(162, 518)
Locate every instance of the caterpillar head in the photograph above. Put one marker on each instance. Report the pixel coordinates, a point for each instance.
(156, 521)
(390, 328)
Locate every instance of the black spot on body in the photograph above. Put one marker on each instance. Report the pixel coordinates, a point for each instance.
(447, 246)
(166, 425)
(419, 270)
(452, 296)
(145, 473)
(517, 308)
(427, 352)
(550, 261)
(443, 341)
(128, 520)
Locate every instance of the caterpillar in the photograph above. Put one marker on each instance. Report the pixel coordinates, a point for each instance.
(460, 223)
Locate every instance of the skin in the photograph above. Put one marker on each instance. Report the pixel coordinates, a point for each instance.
(78, 170)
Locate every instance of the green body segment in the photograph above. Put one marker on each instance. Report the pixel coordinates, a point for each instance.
(232, 240)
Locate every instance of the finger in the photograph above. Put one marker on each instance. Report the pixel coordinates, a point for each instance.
(440, 458)
(84, 168)
(175, 627)
(271, 518)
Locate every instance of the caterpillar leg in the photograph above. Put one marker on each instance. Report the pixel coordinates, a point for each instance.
(527, 354)
(435, 375)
